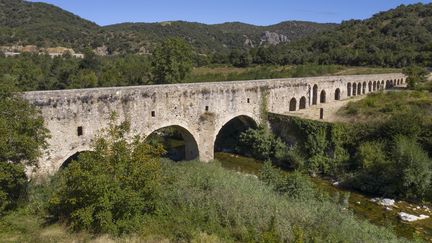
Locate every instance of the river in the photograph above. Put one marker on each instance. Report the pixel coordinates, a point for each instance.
(361, 205)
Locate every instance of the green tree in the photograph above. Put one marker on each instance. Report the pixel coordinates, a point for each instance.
(22, 137)
(172, 61)
(415, 75)
(111, 189)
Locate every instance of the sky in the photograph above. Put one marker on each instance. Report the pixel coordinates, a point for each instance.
(258, 12)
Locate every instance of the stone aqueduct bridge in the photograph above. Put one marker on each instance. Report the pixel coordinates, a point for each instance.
(198, 110)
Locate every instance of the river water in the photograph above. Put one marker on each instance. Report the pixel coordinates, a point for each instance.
(361, 205)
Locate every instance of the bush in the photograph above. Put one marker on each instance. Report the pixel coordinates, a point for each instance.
(13, 183)
(109, 190)
(415, 168)
(261, 143)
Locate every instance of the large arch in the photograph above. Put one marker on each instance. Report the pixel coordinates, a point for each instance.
(349, 89)
(323, 96)
(315, 95)
(293, 104)
(227, 135)
(337, 94)
(69, 157)
(178, 141)
(302, 103)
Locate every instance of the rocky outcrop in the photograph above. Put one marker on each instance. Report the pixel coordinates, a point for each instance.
(273, 38)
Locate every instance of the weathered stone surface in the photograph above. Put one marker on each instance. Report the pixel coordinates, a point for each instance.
(198, 109)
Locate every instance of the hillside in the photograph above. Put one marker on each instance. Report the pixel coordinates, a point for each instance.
(45, 25)
(398, 37)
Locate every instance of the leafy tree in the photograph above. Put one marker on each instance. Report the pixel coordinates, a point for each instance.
(22, 136)
(172, 61)
(415, 75)
(415, 167)
(111, 189)
(261, 143)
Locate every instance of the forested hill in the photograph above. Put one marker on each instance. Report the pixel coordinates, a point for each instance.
(45, 25)
(398, 38)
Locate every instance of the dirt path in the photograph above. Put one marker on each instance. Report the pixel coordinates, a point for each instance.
(330, 110)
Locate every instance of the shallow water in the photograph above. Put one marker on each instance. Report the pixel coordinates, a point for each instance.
(360, 204)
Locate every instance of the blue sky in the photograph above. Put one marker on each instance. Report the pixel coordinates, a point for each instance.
(259, 12)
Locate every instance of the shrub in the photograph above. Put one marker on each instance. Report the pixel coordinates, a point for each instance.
(13, 182)
(261, 143)
(109, 190)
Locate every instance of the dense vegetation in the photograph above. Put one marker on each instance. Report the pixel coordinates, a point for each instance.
(45, 25)
(386, 152)
(124, 188)
(22, 136)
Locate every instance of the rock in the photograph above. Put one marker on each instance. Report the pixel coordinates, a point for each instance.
(411, 218)
(358, 203)
(388, 209)
(384, 202)
(273, 38)
(336, 183)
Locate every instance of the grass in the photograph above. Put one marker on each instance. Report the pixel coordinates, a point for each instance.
(381, 106)
(228, 73)
(207, 203)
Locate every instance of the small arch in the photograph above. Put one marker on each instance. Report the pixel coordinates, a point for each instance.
(179, 143)
(293, 104)
(337, 94)
(315, 94)
(370, 86)
(349, 89)
(364, 88)
(359, 89)
(374, 86)
(382, 85)
(302, 103)
(323, 96)
(354, 89)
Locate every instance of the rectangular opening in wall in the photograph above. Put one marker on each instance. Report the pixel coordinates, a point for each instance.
(248, 100)
(153, 113)
(80, 131)
(206, 108)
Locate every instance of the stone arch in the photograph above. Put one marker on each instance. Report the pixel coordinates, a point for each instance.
(374, 86)
(349, 89)
(337, 94)
(387, 84)
(354, 89)
(228, 132)
(323, 97)
(370, 86)
(315, 95)
(364, 87)
(69, 157)
(190, 151)
(293, 104)
(382, 85)
(359, 89)
(302, 103)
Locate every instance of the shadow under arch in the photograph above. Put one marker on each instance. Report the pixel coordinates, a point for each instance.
(227, 138)
(73, 156)
(179, 143)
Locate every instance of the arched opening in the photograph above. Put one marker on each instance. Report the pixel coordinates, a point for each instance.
(323, 96)
(349, 89)
(364, 88)
(354, 89)
(370, 86)
(302, 103)
(374, 86)
(73, 157)
(382, 85)
(177, 141)
(387, 84)
(359, 89)
(228, 137)
(293, 105)
(337, 94)
(315, 95)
